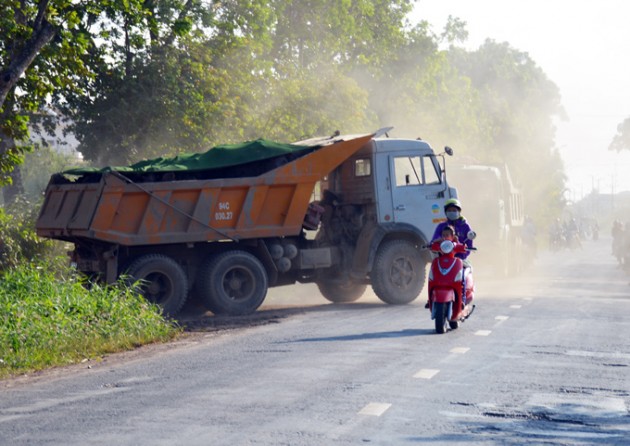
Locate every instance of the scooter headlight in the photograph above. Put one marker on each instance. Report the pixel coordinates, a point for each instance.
(447, 246)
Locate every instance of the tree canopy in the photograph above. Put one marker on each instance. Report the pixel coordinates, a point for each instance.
(137, 79)
(43, 45)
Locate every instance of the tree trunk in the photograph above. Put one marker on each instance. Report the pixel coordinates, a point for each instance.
(43, 32)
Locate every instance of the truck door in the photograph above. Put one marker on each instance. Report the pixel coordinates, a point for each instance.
(418, 194)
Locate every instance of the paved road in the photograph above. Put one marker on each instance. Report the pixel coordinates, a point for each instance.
(543, 360)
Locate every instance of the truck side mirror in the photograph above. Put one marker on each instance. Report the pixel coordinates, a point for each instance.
(448, 150)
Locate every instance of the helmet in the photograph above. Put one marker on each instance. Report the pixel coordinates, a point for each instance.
(452, 202)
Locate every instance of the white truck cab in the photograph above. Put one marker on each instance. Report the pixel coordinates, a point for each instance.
(383, 205)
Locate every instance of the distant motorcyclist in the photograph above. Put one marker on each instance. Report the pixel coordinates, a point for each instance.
(572, 232)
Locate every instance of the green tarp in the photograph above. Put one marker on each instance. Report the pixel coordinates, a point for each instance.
(217, 157)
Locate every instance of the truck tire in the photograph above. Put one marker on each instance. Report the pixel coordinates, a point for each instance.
(161, 280)
(341, 293)
(399, 272)
(232, 283)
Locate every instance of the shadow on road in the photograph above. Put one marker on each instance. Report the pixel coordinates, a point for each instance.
(195, 318)
(364, 336)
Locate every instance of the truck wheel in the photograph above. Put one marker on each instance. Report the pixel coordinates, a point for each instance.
(162, 281)
(341, 293)
(399, 272)
(233, 283)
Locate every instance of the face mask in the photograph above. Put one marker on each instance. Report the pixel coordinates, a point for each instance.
(452, 215)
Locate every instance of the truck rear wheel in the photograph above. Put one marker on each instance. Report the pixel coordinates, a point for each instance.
(162, 281)
(341, 293)
(399, 272)
(233, 283)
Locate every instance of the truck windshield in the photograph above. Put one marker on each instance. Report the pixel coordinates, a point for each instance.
(415, 170)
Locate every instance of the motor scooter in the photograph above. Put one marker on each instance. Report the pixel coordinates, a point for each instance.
(448, 282)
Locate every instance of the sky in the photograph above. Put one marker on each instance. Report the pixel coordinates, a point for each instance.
(583, 46)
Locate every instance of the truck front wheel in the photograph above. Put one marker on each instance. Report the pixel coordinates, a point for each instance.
(233, 283)
(161, 280)
(341, 293)
(399, 273)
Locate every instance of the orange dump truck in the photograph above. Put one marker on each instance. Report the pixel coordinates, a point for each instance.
(227, 227)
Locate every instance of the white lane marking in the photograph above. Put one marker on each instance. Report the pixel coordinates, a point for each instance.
(502, 318)
(460, 350)
(426, 373)
(375, 409)
(483, 332)
(515, 306)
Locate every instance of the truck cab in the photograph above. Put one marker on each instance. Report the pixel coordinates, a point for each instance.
(382, 206)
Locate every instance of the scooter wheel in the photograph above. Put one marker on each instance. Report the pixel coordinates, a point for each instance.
(441, 310)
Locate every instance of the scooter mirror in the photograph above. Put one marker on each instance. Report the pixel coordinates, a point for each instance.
(471, 235)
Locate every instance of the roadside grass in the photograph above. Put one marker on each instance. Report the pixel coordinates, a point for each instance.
(49, 319)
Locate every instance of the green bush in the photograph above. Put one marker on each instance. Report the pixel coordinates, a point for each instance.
(18, 241)
(46, 320)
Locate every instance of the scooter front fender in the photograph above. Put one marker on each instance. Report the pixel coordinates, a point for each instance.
(443, 295)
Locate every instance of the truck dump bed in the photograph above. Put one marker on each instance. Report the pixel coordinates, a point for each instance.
(124, 209)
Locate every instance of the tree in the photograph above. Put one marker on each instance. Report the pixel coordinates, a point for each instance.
(243, 70)
(167, 91)
(43, 45)
(352, 33)
(519, 102)
(621, 141)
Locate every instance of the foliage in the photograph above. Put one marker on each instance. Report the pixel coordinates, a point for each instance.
(46, 320)
(165, 107)
(39, 165)
(313, 33)
(278, 70)
(519, 103)
(159, 78)
(18, 242)
(621, 141)
(43, 48)
(433, 99)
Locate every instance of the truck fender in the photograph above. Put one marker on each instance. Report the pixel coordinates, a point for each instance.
(371, 237)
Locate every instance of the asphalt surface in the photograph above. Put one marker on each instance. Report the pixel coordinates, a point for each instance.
(543, 360)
